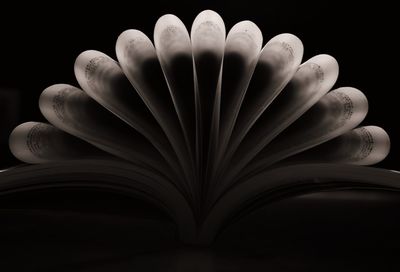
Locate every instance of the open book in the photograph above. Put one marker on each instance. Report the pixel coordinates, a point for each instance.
(204, 125)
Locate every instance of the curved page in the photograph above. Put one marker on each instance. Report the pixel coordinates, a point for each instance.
(313, 79)
(174, 51)
(36, 142)
(102, 79)
(362, 146)
(278, 62)
(138, 59)
(336, 113)
(242, 49)
(208, 44)
(70, 109)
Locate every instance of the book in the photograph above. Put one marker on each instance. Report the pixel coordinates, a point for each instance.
(205, 125)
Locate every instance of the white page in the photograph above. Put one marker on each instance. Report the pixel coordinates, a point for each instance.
(278, 62)
(208, 44)
(138, 59)
(102, 79)
(70, 109)
(362, 146)
(174, 51)
(313, 79)
(334, 114)
(36, 142)
(242, 49)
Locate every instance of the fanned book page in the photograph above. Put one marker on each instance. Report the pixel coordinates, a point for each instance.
(202, 123)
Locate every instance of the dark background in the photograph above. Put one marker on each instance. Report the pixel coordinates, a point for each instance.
(336, 231)
(39, 44)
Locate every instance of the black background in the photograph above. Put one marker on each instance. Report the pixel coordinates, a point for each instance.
(39, 44)
(357, 231)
